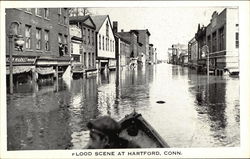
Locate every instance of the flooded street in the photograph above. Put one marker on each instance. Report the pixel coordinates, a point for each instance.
(197, 111)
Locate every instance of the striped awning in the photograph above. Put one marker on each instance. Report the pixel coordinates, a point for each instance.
(18, 69)
(45, 70)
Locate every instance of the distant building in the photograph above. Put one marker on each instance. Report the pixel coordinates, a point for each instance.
(83, 42)
(105, 48)
(178, 50)
(221, 36)
(151, 58)
(46, 42)
(192, 53)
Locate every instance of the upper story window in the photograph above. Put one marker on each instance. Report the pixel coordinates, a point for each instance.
(88, 36)
(237, 40)
(46, 40)
(46, 13)
(28, 37)
(100, 42)
(38, 38)
(84, 35)
(107, 29)
(214, 41)
(221, 39)
(38, 11)
(93, 37)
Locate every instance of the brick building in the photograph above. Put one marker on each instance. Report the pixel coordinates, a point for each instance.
(143, 38)
(192, 53)
(85, 51)
(221, 36)
(132, 37)
(46, 42)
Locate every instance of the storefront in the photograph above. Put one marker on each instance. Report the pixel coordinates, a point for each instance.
(23, 69)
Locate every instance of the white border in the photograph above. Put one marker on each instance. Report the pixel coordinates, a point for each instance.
(236, 152)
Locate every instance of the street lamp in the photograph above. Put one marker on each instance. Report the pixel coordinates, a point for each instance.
(205, 51)
(14, 40)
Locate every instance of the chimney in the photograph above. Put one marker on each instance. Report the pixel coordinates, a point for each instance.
(122, 30)
(115, 26)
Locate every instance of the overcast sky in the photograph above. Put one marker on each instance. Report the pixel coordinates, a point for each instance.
(167, 25)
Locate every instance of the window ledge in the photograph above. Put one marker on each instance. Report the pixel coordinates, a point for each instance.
(29, 50)
(47, 19)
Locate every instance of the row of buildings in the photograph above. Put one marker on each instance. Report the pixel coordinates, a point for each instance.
(42, 43)
(221, 40)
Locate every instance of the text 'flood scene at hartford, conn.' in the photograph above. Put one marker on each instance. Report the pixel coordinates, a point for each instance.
(96, 78)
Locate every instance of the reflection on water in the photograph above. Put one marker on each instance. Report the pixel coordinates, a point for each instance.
(198, 111)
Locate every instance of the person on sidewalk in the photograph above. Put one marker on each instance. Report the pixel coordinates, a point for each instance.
(104, 134)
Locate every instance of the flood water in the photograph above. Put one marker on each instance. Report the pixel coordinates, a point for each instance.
(198, 111)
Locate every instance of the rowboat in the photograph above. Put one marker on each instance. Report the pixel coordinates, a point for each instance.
(135, 128)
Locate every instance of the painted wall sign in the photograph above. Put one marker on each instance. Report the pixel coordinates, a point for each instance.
(20, 59)
(75, 31)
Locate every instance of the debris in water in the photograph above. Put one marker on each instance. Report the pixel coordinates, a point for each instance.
(160, 102)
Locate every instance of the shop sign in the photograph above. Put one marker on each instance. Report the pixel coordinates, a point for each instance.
(75, 31)
(21, 60)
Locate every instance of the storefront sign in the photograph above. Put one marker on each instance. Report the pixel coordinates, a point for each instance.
(21, 60)
(75, 31)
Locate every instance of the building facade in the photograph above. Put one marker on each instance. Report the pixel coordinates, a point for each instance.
(86, 50)
(132, 37)
(221, 36)
(143, 38)
(105, 46)
(192, 53)
(45, 49)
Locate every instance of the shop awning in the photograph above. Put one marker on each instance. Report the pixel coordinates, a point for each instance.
(45, 70)
(18, 69)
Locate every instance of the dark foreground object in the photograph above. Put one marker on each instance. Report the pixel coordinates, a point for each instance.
(135, 128)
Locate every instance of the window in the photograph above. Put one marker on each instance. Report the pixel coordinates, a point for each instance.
(60, 38)
(71, 48)
(214, 41)
(38, 38)
(89, 59)
(88, 36)
(60, 44)
(221, 39)
(93, 39)
(28, 37)
(46, 13)
(65, 44)
(38, 11)
(85, 59)
(209, 42)
(100, 42)
(237, 40)
(107, 29)
(46, 40)
(111, 45)
(84, 35)
(93, 59)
